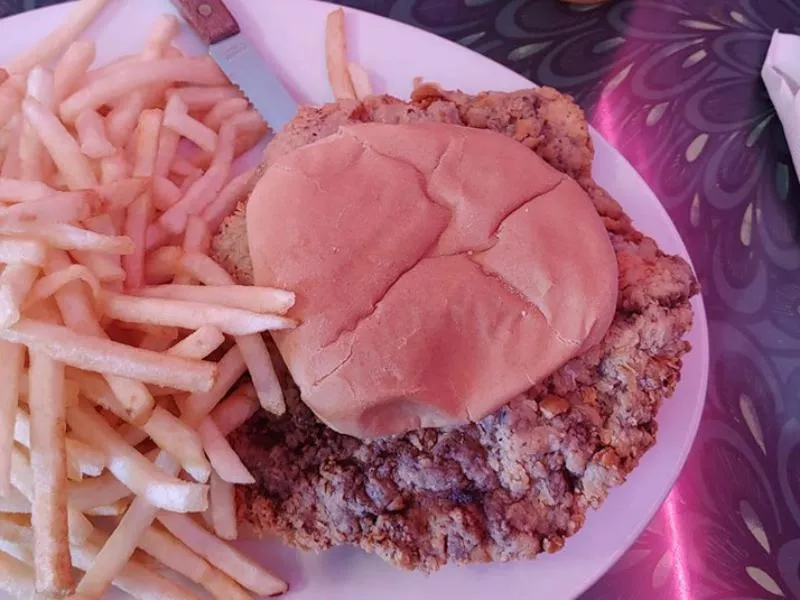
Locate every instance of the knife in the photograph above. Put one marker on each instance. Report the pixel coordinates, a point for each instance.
(239, 59)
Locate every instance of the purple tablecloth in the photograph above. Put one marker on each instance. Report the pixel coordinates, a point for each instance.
(675, 86)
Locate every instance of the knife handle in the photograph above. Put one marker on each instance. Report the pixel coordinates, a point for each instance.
(210, 19)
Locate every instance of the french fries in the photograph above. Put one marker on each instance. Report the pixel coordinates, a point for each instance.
(60, 144)
(50, 284)
(253, 299)
(105, 172)
(111, 358)
(222, 556)
(136, 221)
(92, 138)
(177, 118)
(48, 459)
(71, 67)
(83, 13)
(12, 358)
(360, 79)
(222, 496)
(147, 138)
(236, 409)
(132, 76)
(223, 459)
(15, 283)
(32, 252)
(199, 344)
(133, 469)
(172, 553)
(190, 315)
(336, 56)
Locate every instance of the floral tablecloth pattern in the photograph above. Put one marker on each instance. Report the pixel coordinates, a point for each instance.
(675, 86)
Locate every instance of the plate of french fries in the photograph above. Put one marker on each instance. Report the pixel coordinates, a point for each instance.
(127, 354)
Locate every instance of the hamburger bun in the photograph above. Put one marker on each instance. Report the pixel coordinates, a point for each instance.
(439, 270)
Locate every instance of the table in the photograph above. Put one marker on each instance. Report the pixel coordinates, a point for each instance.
(675, 86)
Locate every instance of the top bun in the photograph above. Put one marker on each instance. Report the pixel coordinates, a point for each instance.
(439, 272)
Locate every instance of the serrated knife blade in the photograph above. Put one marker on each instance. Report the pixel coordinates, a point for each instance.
(239, 59)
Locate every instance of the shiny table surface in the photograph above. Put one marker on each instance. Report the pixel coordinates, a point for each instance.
(675, 86)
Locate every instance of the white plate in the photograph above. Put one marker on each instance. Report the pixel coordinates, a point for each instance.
(290, 34)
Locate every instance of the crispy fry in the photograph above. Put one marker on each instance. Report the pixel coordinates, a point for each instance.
(122, 120)
(50, 284)
(223, 458)
(102, 266)
(79, 315)
(11, 362)
(113, 168)
(140, 515)
(111, 358)
(227, 200)
(111, 559)
(222, 111)
(221, 555)
(199, 404)
(360, 79)
(61, 207)
(136, 223)
(132, 76)
(147, 138)
(133, 578)
(22, 478)
(236, 409)
(14, 502)
(160, 265)
(202, 193)
(30, 252)
(177, 118)
(190, 315)
(167, 147)
(336, 56)
(81, 458)
(223, 508)
(15, 190)
(245, 297)
(254, 352)
(182, 442)
(15, 283)
(82, 14)
(163, 31)
(173, 554)
(181, 166)
(12, 165)
(205, 97)
(31, 150)
(117, 195)
(196, 237)
(72, 67)
(165, 193)
(199, 344)
(96, 491)
(16, 577)
(91, 132)
(48, 458)
(10, 100)
(60, 144)
(68, 237)
(133, 469)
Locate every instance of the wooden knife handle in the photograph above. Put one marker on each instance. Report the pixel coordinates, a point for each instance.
(210, 19)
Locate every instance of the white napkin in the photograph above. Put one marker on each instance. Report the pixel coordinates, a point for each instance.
(781, 75)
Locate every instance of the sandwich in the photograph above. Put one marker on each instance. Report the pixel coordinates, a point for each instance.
(485, 338)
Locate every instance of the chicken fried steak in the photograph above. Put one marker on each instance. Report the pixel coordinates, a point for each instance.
(520, 481)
